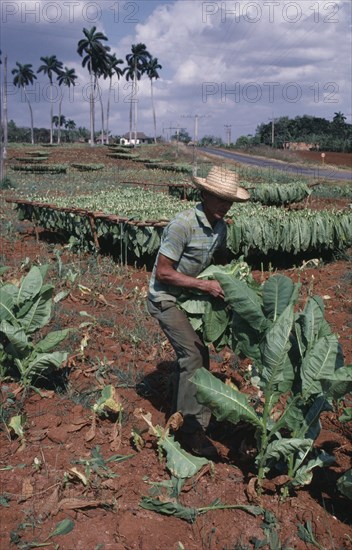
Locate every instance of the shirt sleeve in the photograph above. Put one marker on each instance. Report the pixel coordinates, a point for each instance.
(175, 239)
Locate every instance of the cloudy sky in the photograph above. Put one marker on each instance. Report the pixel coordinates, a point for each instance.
(230, 65)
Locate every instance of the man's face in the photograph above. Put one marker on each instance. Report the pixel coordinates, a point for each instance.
(215, 208)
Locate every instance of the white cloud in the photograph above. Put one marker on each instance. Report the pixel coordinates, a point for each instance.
(231, 62)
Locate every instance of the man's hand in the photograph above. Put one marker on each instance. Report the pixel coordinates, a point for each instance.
(214, 289)
(167, 274)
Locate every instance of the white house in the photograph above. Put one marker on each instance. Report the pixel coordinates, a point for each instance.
(141, 139)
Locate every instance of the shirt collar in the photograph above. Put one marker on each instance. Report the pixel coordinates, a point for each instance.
(202, 217)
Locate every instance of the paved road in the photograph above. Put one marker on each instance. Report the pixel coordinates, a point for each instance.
(316, 172)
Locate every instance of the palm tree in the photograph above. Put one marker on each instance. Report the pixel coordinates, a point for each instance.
(103, 71)
(50, 66)
(66, 77)
(112, 68)
(59, 121)
(339, 118)
(23, 76)
(95, 58)
(137, 62)
(70, 125)
(152, 72)
(339, 127)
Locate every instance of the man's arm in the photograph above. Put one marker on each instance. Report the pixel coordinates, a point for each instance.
(167, 274)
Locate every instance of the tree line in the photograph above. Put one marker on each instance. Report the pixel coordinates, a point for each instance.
(101, 63)
(320, 133)
(68, 132)
(325, 135)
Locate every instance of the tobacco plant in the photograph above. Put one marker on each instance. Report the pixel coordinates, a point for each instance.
(299, 370)
(25, 308)
(136, 218)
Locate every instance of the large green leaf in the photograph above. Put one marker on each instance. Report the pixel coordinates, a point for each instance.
(51, 340)
(180, 463)
(6, 305)
(225, 402)
(9, 288)
(223, 340)
(39, 314)
(278, 292)
(319, 364)
(304, 474)
(339, 384)
(215, 320)
(193, 305)
(284, 448)
(243, 300)
(23, 309)
(245, 339)
(19, 345)
(30, 286)
(311, 320)
(302, 420)
(276, 364)
(43, 361)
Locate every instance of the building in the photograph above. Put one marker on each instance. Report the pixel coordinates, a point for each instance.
(142, 139)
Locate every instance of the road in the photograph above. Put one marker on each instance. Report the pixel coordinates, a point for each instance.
(316, 172)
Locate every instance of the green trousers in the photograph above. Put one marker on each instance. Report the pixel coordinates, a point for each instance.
(191, 354)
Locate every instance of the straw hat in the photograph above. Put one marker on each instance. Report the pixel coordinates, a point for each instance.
(222, 183)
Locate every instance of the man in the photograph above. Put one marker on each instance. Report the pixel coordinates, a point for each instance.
(191, 242)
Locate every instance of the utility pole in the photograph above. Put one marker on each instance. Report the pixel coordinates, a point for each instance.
(272, 131)
(196, 124)
(195, 139)
(178, 129)
(228, 133)
(196, 129)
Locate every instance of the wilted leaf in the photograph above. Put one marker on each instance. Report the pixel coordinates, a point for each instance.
(48, 504)
(180, 463)
(27, 490)
(91, 432)
(169, 509)
(115, 438)
(175, 422)
(77, 504)
(79, 474)
(61, 296)
(16, 424)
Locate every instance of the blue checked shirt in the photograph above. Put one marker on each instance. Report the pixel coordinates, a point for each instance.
(190, 241)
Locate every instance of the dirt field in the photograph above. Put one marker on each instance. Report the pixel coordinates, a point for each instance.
(337, 159)
(61, 469)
